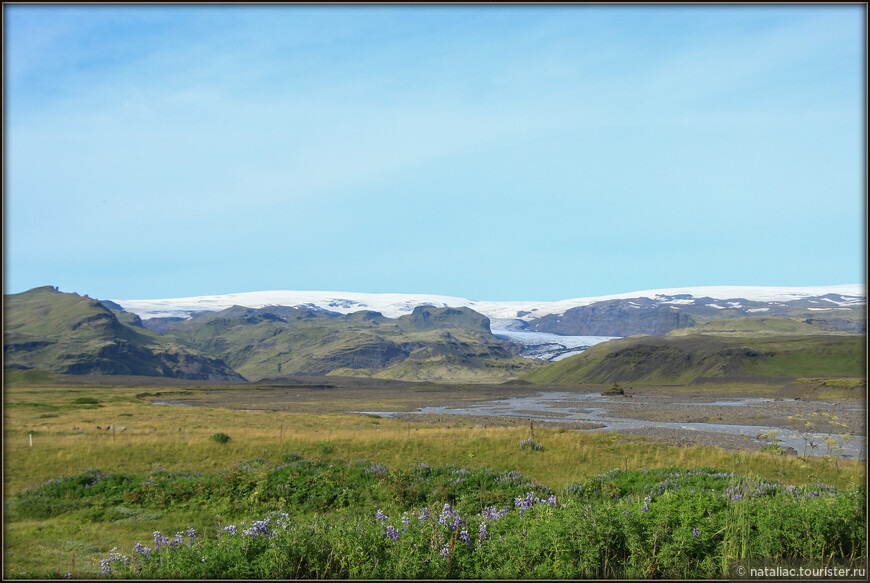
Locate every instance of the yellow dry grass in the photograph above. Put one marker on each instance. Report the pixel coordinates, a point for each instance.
(65, 440)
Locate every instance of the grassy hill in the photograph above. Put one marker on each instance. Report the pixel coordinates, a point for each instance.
(684, 359)
(51, 331)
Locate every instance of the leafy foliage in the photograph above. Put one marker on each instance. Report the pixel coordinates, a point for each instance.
(305, 519)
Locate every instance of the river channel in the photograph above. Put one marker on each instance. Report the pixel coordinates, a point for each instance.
(597, 409)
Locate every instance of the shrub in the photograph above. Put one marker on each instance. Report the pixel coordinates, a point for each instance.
(220, 437)
(531, 444)
(85, 401)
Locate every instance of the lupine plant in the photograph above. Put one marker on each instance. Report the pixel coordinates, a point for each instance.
(531, 444)
(670, 523)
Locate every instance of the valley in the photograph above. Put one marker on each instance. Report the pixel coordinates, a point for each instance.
(299, 445)
(122, 420)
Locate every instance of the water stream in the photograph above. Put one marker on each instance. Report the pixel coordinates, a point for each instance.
(592, 408)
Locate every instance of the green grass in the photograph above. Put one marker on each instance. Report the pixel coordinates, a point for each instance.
(759, 326)
(686, 359)
(69, 444)
(847, 383)
(830, 356)
(334, 520)
(59, 332)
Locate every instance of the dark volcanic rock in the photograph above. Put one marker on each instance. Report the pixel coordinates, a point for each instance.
(614, 318)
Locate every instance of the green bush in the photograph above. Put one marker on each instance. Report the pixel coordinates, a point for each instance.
(679, 529)
(220, 438)
(337, 519)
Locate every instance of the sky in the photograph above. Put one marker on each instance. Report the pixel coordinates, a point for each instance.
(489, 152)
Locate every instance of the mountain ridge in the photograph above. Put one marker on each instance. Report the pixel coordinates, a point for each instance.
(691, 336)
(840, 307)
(66, 333)
(390, 304)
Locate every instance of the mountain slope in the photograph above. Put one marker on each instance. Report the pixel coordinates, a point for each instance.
(429, 343)
(698, 358)
(71, 334)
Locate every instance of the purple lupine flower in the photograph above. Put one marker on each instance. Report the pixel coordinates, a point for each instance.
(463, 536)
(525, 503)
(374, 468)
(482, 533)
(490, 513)
(552, 500)
(424, 513)
(626, 511)
(380, 516)
(160, 540)
(531, 444)
(203, 560)
(445, 514)
(737, 497)
(230, 529)
(191, 534)
(259, 527)
(105, 568)
(445, 551)
(645, 507)
(696, 532)
(392, 533)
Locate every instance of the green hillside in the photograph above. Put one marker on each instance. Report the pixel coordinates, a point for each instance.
(66, 333)
(758, 326)
(428, 344)
(684, 359)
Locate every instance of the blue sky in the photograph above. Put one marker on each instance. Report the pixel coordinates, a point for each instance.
(498, 153)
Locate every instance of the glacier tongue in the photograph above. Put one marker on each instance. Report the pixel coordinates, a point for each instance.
(544, 345)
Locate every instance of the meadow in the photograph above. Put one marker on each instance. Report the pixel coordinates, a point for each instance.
(337, 495)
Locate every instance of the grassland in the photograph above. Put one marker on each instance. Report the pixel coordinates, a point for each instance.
(50, 431)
